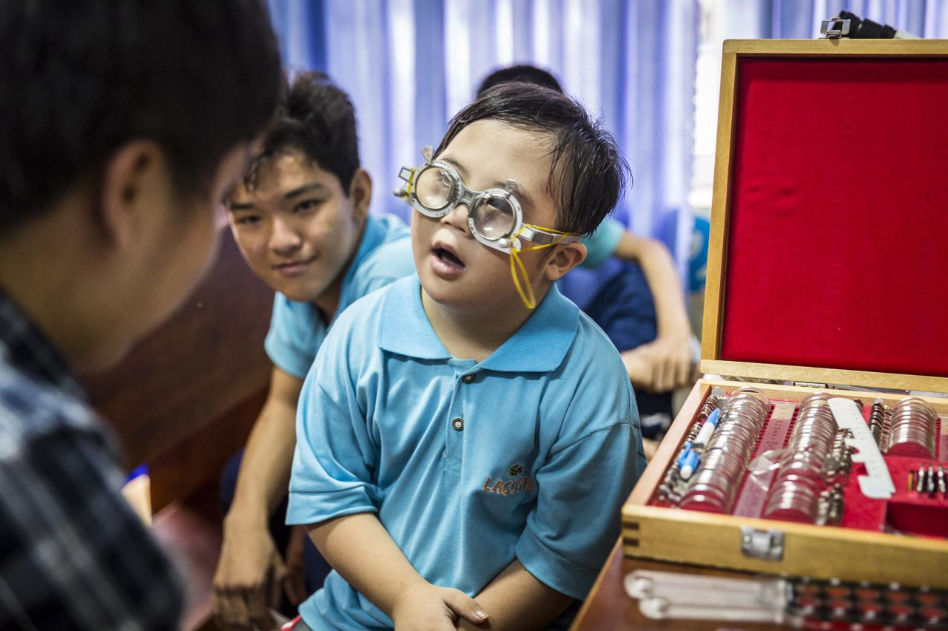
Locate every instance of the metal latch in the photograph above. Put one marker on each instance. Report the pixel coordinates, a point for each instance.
(766, 545)
(835, 28)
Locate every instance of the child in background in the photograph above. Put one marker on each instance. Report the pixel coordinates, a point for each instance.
(466, 436)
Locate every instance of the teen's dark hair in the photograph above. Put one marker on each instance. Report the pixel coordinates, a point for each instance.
(588, 174)
(523, 73)
(80, 79)
(317, 119)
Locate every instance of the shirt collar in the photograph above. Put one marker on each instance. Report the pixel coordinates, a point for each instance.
(540, 345)
(25, 347)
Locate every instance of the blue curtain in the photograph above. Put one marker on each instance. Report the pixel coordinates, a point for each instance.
(409, 65)
(800, 19)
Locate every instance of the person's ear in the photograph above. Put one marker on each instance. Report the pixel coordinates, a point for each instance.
(565, 257)
(360, 192)
(130, 182)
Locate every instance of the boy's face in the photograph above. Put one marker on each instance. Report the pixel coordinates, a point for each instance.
(455, 269)
(298, 228)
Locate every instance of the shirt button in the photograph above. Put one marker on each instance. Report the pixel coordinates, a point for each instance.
(458, 423)
(467, 378)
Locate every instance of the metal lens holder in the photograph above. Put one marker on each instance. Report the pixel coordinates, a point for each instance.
(912, 429)
(795, 491)
(714, 486)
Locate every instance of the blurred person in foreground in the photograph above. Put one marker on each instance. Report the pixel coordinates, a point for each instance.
(116, 149)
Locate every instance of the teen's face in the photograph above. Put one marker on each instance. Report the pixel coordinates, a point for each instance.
(298, 228)
(456, 270)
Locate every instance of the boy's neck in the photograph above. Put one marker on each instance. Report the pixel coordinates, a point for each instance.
(328, 301)
(42, 276)
(475, 333)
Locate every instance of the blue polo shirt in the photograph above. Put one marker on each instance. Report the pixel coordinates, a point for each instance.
(528, 454)
(296, 328)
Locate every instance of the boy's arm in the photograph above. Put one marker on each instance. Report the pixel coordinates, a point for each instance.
(251, 570)
(584, 479)
(665, 363)
(361, 550)
(517, 600)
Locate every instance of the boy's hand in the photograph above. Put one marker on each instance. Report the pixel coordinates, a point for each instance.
(249, 578)
(296, 566)
(426, 607)
(661, 365)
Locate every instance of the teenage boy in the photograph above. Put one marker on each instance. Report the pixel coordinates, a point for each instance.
(301, 219)
(635, 296)
(116, 149)
(468, 432)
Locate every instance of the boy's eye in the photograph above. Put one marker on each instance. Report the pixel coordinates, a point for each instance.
(307, 205)
(248, 220)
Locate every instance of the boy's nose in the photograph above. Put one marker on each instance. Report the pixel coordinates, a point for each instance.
(284, 240)
(457, 218)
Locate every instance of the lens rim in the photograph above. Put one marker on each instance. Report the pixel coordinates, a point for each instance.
(483, 198)
(453, 196)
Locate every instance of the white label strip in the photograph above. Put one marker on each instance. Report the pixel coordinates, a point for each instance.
(878, 483)
(754, 494)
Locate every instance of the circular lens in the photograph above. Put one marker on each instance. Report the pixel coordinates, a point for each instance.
(494, 217)
(434, 188)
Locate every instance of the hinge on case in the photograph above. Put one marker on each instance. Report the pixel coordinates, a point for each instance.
(766, 545)
(835, 28)
(810, 384)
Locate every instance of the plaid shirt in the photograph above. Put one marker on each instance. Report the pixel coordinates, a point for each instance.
(73, 555)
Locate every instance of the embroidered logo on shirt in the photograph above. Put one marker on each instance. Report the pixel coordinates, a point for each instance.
(509, 487)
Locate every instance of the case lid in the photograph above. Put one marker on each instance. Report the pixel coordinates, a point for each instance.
(829, 242)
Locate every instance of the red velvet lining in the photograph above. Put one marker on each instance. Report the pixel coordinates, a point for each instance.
(907, 511)
(838, 246)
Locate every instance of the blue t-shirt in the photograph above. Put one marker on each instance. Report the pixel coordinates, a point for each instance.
(296, 329)
(526, 455)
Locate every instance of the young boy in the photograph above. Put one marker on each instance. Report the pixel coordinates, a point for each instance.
(465, 434)
(116, 149)
(629, 287)
(301, 219)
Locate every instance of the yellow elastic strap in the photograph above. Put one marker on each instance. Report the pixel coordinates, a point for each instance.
(411, 182)
(526, 295)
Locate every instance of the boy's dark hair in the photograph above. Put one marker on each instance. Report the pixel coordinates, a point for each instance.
(523, 73)
(80, 79)
(588, 174)
(317, 119)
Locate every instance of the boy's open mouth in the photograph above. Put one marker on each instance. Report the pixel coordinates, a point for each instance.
(447, 257)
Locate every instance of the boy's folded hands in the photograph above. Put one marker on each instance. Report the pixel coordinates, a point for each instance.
(425, 607)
